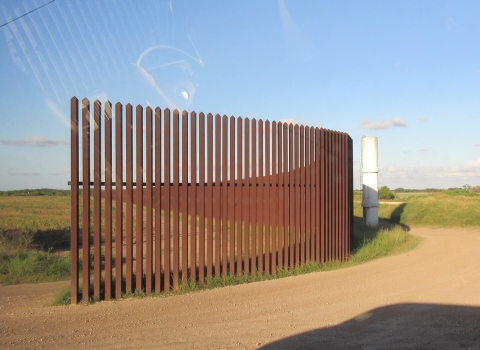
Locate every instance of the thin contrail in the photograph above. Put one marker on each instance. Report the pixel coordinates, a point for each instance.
(27, 13)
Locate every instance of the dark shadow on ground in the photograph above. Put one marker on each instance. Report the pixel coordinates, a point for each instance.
(400, 326)
(396, 216)
(52, 240)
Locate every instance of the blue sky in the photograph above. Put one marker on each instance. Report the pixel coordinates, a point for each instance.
(407, 72)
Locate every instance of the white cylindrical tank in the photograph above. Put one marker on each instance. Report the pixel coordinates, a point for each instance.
(370, 180)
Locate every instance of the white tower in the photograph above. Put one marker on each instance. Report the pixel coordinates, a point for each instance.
(370, 180)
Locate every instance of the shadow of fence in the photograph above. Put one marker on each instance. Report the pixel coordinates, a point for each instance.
(399, 326)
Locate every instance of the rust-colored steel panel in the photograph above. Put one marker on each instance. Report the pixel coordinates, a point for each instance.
(166, 212)
(336, 180)
(349, 171)
(347, 197)
(201, 200)
(329, 198)
(129, 198)
(308, 204)
(253, 196)
(267, 197)
(294, 206)
(209, 195)
(341, 198)
(97, 201)
(217, 198)
(148, 194)
(193, 197)
(335, 209)
(319, 195)
(139, 199)
(332, 199)
(238, 195)
(286, 191)
(280, 203)
(340, 218)
(184, 196)
(344, 195)
(313, 185)
(158, 200)
(303, 209)
(224, 194)
(231, 196)
(175, 198)
(108, 200)
(118, 200)
(86, 198)
(291, 181)
(326, 199)
(74, 198)
(246, 202)
(274, 199)
(261, 197)
(297, 205)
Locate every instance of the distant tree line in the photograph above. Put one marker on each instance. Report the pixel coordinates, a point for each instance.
(36, 192)
(409, 190)
(385, 193)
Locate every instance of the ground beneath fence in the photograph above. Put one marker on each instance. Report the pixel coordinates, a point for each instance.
(428, 298)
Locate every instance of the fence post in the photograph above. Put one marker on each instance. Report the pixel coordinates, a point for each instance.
(74, 227)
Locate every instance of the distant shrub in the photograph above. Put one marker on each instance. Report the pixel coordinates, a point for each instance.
(459, 192)
(385, 193)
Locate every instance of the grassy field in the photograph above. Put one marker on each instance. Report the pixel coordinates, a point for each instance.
(35, 230)
(408, 195)
(34, 239)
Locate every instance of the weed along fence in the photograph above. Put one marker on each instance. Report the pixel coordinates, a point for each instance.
(170, 197)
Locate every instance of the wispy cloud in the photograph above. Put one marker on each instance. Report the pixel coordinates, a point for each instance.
(465, 170)
(36, 141)
(477, 144)
(422, 150)
(295, 121)
(382, 124)
(27, 173)
(423, 119)
(289, 121)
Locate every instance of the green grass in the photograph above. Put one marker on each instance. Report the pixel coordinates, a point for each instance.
(62, 297)
(33, 231)
(33, 267)
(444, 209)
(408, 195)
(19, 263)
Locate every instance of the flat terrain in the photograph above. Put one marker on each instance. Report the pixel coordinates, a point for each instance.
(428, 298)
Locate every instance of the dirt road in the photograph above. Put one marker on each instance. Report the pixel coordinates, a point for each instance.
(428, 298)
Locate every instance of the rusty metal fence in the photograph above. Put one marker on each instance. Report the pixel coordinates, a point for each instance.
(178, 196)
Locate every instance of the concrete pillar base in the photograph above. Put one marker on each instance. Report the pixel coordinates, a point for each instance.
(370, 216)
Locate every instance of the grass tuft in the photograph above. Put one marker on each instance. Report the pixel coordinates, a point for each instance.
(62, 297)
